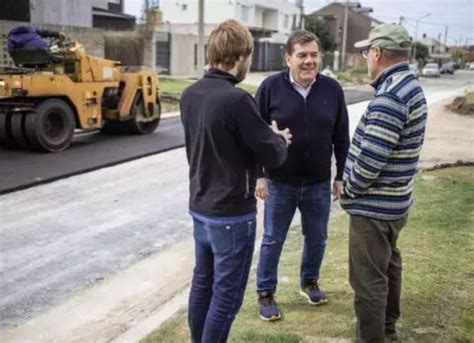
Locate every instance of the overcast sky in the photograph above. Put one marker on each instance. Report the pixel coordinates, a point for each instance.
(457, 15)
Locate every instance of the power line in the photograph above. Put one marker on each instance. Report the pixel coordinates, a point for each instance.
(408, 19)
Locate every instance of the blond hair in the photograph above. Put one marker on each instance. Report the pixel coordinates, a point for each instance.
(228, 42)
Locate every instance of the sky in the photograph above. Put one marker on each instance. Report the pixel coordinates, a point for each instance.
(456, 15)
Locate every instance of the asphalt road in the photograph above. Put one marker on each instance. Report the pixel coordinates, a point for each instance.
(22, 169)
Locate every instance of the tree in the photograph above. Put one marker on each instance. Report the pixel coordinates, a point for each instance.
(422, 53)
(320, 28)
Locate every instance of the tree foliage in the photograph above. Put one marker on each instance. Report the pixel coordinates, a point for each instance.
(422, 52)
(320, 28)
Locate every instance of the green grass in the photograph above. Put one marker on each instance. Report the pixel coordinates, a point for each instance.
(438, 288)
(358, 71)
(357, 75)
(174, 87)
(177, 86)
(249, 88)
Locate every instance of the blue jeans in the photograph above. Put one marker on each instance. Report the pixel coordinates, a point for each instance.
(223, 259)
(314, 203)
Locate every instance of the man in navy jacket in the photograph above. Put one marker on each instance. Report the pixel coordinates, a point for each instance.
(312, 106)
(225, 139)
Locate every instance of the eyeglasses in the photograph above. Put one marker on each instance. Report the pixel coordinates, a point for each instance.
(365, 52)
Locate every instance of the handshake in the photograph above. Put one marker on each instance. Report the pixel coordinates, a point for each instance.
(286, 134)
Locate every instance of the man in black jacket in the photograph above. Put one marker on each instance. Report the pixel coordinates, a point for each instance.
(225, 139)
(312, 106)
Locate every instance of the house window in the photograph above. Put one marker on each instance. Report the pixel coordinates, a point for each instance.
(244, 13)
(184, 7)
(287, 21)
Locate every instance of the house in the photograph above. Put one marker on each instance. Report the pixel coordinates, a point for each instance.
(273, 20)
(359, 23)
(105, 14)
(436, 49)
(270, 23)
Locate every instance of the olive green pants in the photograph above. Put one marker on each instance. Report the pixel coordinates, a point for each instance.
(375, 274)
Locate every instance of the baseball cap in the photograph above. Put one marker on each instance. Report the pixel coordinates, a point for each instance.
(387, 36)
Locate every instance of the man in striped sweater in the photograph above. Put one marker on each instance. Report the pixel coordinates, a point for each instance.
(378, 180)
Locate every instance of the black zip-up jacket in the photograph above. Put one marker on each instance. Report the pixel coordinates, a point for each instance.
(319, 124)
(225, 139)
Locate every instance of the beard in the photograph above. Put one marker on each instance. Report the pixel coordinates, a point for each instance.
(242, 70)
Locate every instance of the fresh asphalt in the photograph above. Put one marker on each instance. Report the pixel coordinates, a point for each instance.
(20, 169)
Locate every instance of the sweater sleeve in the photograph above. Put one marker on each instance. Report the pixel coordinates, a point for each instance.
(341, 138)
(385, 121)
(261, 98)
(269, 148)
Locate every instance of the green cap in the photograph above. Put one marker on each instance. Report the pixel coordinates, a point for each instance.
(387, 36)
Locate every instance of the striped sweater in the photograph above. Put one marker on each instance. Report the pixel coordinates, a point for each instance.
(385, 149)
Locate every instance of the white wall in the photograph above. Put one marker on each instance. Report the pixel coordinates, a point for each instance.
(260, 13)
(186, 11)
(100, 3)
(62, 12)
(258, 21)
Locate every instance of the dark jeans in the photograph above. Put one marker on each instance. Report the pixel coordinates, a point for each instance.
(314, 202)
(375, 273)
(223, 258)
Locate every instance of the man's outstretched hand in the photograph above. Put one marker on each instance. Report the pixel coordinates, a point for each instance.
(286, 134)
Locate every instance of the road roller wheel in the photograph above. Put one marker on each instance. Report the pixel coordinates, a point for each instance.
(18, 130)
(6, 139)
(143, 128)
(133, 126)
(51, 127)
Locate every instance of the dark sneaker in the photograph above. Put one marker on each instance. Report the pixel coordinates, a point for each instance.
(313, 294)
(268, 307)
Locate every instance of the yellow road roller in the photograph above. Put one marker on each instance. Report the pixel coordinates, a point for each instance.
(52, 93)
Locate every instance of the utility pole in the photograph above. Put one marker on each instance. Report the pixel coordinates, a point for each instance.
(299, 4)
(439, 43)
(344, 36)
(416, 34)
(446, 36)
(200, 49)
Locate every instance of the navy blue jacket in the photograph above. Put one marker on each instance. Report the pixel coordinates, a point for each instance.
(225, 141)
(319, 125)
(25, 37)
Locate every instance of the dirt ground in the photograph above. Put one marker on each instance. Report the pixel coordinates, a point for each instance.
(449, 137)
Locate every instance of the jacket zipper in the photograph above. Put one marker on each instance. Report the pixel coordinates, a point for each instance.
(306, 122)
(247, 185)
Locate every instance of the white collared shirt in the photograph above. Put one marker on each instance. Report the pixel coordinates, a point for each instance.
(299, 88)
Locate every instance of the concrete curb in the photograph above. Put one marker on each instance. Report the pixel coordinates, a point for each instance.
(153, 322)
